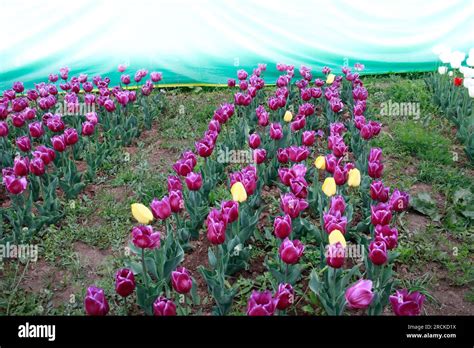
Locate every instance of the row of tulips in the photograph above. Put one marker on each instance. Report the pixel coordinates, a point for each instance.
(40, 141)
(317, 204)
(452, 88)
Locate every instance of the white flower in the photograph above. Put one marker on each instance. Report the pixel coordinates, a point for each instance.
(457, 57)
(467, 72)
(442, 70)
(470, 60)
(445, 56)
(471, 91)
(468, 82)
(450, 73)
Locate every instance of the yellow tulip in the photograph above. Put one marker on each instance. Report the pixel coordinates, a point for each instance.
(354, 177)
(288, 116)
(330, 79)
(141, 213)
(320, 162)
(329, 186)
(238, 192)
(336, 236)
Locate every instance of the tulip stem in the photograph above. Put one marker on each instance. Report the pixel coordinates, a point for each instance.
(145, 275)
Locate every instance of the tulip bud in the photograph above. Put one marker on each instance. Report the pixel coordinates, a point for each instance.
(282, 226)
(330, 78)
(20, 166)
(230, 211)
(141, 213)
(59, 144)
(145, 237)
(261, 304)
(95, 302)
(354, 178)
(124, 282)
(360, 295)
(254, 140)
(259, 155)
(193, 181)
(164, 307)
(291, 251)
(407, 304)
(335, 255)
(161, 209)
(378, 252)
(329, 186)
(284, 296)
(70, 136)
(181, 280)
(238, 192)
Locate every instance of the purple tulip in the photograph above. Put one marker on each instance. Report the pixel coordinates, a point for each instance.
(407, 304)
(53, 77)
(282, 226)
(254, 140)
(59, 143)
(87, 128)
(284, 296)
(176, 201)
(193, 181)
(181, 280)
(174, 183)
(124, 282)
(291, 251)
(164, 307)
(299, 187)
(337, 205)
(95, 302)
(156, 76)
(216, 226)
(36, 129)
(282, 155)
(70, 136)
(3, 129)
(378, 252)
(387, 235)
(145, 237)
(20, 166)
(242, 74)
(378, 192)
(37, 166)
(292, 205)
(161, 209)
(335, 221)
(46, 154)
(298, 153)
(261, 304)
(23, 143)
(230, 211)
(360, 295)
(125, 79)
(399, 201)
(308, 138)
(335, 255)
(276, 131)
(259, 155)
(18, 120)
(381, 214)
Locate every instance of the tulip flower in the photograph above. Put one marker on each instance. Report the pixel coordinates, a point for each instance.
(360, 294)
(337, 236)
(334, 221)
(145, 237)
(320, 163)
(282, 226)
(292, 205)
(261, 304)
(231, 82)
(15, 185)
(298, 153)
(18, 120)
(329, 186)
(407, 304)
(335, 255)
(340, 175)
(254, 140)
(379, 192)
(3, 129)
(338, 204)
(70, 136)
(95, 302)
(124, 282)
(156, 76)
(230, 211)
(276, 131)
(193, 181)
(291, 251)
(161, 209)
(242, 74)
(59, 143)
(288, 116)
(354, 178)
(164, 307)
(387, 235)
(330, 78)
(181, 280)
(141, 213)
(216, 226)
(36, 129)
(20, 166)
(381, 214)
(284, 296)
(308, 138)
(282, 155)
(238, 192)
(174, 183)
(87, 128)
(259, 155)
(37, 166)
(378, 252)
(23, 143)
(176, 201)
(399, 201)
